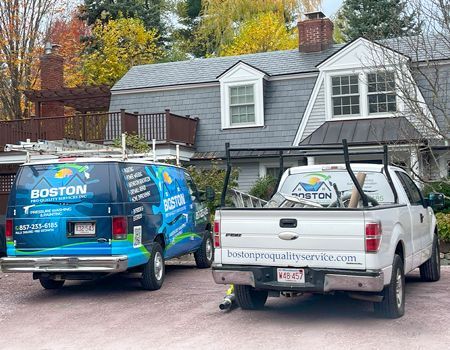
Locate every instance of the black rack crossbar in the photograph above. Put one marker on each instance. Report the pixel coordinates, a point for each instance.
(310, 150)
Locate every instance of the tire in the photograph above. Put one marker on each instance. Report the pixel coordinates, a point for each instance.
(393, 303)
(48, 283)
(204, 256)
(248, 298)
(154, 270)
(430, 270)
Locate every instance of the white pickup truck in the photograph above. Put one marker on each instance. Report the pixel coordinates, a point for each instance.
(321, 234)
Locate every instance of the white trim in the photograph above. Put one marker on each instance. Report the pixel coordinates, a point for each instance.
(242, 74)
(309, 107)
(293, 76)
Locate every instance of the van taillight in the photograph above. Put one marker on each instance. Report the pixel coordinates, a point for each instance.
(9, 230)
(216, 234)
(119, 227)
(373, 236)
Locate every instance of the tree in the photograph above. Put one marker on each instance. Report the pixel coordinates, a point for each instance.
(265, 32)
(188, 13)
(68, 33)
(220, 19)
(377, 19)
(149, 11)
(422, 84)
(21, 34)
(120, 44)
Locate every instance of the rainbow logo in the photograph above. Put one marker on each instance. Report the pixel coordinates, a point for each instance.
(63, 173)
(314, 182)
(167, 178)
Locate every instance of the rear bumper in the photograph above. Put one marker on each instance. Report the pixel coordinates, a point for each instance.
(316, 280)
(65, 264)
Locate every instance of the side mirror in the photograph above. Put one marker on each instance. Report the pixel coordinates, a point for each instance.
(210, 194)
(436, 200)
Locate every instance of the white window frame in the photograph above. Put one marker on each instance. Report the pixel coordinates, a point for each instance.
(242, 75)
(395, 91)
(345, 95)
(363, 95)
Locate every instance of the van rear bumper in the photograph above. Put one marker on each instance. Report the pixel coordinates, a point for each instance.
(65, 264)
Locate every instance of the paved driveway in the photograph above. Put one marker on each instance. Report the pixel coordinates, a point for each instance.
(115, 313)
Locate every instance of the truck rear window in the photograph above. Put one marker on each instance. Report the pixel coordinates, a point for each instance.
(62, 183)
(334, 188)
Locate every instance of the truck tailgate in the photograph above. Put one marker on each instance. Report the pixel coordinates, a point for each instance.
(314, 238)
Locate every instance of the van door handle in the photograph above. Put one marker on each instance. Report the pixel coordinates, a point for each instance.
(102, 240)
(288, 223)
(421, 218)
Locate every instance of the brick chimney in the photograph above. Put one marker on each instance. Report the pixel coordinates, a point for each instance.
(315, 33)
(52, 78)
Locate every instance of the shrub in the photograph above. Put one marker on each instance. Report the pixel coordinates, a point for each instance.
(264, 187)
(136, 143)
(213, 177)
(442, 187)
(443, 223)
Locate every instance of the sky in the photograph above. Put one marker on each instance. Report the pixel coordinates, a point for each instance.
(329, 7)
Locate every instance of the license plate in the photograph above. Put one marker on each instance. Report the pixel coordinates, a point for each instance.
(291, 275)
(84, 229)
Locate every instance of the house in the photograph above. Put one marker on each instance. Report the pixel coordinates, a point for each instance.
(317, 94)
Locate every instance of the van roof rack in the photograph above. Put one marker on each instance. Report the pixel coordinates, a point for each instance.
(67, 147)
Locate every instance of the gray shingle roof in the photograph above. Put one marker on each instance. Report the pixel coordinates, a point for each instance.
(208, 69)
(273, 63)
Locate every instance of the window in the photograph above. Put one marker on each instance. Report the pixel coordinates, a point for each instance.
(274, 171)
(242, 104)
(192, 188)
(413, 193)
(381, 92)
(345, 92)
(242, 97)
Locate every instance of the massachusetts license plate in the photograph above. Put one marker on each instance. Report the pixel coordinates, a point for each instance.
(291, 275)
(84, 229)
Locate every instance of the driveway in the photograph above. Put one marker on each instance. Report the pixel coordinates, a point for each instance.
(115, 313)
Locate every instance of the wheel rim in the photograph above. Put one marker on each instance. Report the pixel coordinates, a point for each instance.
(399, 289)
(158, 265)
(209, 249)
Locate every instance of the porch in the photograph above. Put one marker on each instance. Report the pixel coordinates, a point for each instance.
(104, 127)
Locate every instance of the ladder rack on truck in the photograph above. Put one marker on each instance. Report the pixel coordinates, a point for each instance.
(313, 150)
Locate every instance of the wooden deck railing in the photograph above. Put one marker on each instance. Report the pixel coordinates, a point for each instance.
(101, 127)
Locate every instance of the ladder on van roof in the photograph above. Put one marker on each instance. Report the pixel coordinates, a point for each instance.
(66, 148)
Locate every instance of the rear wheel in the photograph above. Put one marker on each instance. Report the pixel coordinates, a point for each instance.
(204, 256)
(430, 270)
(248, 298)
(48, 283)
(154, 271)
(393, 303)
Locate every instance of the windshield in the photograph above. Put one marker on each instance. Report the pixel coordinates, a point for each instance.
(64, 183)
(333, 188)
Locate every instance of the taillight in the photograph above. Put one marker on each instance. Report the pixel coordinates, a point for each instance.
(9, 230)
(119, 227)
(373, 236)
(216, 233)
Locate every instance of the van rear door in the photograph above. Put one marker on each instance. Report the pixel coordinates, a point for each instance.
(63, 209)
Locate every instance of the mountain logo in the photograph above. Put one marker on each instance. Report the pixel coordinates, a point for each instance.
(314, 182)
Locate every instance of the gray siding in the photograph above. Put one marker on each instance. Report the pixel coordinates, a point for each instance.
(317, 116)
(434, 83)
(284, 105)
